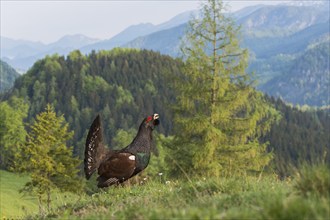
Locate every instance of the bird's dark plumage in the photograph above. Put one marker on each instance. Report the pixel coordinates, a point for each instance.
(115, 167)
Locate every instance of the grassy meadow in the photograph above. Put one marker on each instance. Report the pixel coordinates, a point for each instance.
(304, 197)
(14, 204)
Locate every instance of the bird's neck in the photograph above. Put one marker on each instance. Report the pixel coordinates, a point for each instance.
(142, 141)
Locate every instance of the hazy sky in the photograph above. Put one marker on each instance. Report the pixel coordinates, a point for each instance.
(47, 21)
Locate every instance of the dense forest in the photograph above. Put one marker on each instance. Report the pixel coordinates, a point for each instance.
(125, 85)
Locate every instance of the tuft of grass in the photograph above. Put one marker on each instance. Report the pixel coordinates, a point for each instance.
(295, 207)
(313, 180)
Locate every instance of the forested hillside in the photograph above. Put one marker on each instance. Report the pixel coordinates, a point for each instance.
(7, 76)
(301, 136)
(125, 85)
(122, 85)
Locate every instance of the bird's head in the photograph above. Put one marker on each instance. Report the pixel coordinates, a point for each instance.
(151, 121)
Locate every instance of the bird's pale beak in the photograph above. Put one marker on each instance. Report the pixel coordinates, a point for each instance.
(156, 116)
(156, 121)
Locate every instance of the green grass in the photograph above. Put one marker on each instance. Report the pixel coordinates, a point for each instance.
(15, 205)
(12, 203)
(215, 198)
(241, 198)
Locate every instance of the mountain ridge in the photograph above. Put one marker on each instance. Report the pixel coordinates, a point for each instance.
(127, 36)
(281, 20)
(307, 80)
(136, 32)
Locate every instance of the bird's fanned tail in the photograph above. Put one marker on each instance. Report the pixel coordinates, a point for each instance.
(94, 148)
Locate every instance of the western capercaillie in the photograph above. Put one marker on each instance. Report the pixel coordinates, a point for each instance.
(116, 166)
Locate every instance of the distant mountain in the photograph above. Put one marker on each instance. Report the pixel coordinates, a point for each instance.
(306, 80)
(137, 31)
(247, 11)
(267, 47)
(11, 49)
(7, 43)
(7, 76)
(21, 54)
(127, 35)
(72, 41)
(298, 26)
(178, 20)
(281, 20)
(169, 43)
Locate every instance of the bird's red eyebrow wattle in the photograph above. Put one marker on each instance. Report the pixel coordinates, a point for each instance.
(149, 118)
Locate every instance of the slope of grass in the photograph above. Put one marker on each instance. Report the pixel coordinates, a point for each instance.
(214, 198)
(242, 198)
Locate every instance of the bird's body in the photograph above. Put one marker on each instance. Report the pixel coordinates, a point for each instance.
(117, 166)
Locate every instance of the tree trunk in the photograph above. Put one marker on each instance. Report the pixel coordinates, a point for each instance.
(48, 200)
(214, 67)
(41, 211)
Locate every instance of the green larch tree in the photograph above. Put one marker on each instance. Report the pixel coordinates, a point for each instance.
(219, 115)
(48, 160)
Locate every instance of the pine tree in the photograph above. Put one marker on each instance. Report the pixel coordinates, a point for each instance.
(219, 115)
(47, 158)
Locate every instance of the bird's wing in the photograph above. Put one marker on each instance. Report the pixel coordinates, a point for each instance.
(94, 148)
(118, 168)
